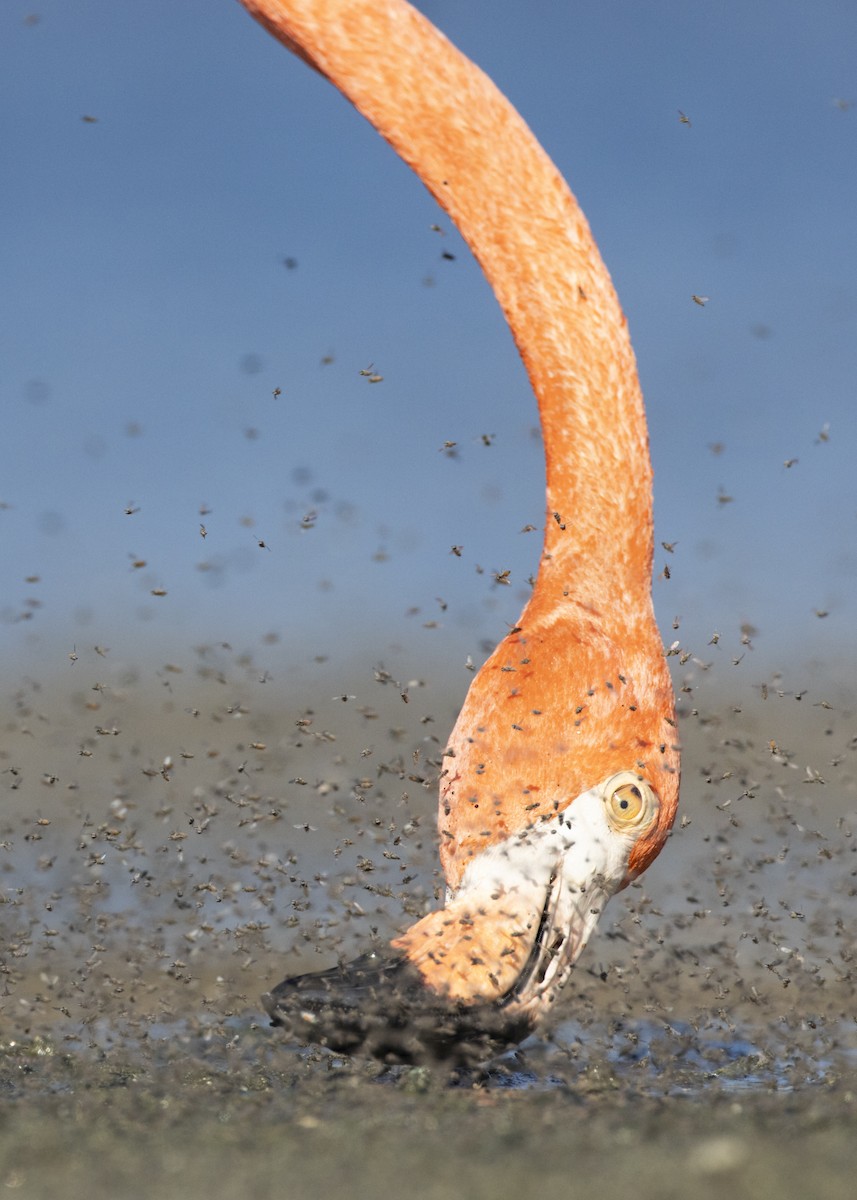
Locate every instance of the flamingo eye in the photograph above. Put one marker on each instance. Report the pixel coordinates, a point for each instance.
(629, 801)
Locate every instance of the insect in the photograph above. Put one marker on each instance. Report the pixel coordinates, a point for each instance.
(557, 788)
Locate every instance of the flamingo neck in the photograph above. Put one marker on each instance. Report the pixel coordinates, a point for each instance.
(484, 167)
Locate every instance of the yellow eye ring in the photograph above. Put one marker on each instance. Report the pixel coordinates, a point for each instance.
(629, 802)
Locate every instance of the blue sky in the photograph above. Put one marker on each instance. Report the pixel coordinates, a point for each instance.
(227, 227)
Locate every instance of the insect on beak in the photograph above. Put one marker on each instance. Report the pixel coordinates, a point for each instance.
(592, 843)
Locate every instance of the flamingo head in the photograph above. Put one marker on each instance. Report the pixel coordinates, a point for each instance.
(526, 906)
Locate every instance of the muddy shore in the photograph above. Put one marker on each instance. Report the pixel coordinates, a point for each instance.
(158, 882)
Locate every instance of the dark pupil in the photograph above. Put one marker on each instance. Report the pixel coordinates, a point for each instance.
(624, 802)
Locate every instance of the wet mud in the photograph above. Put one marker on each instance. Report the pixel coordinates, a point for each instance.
(171, 854)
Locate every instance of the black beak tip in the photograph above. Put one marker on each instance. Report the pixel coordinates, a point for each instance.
(380, 1007)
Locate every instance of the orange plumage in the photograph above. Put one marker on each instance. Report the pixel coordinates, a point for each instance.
(579, 691)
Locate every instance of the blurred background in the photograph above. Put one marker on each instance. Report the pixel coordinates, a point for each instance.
(206, 248)
(255, 389)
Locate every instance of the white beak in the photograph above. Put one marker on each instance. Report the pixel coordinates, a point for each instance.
(562, 872)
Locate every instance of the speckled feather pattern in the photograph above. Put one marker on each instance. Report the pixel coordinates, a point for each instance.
(580, 689)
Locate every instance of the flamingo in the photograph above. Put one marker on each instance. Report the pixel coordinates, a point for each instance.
(560, 781)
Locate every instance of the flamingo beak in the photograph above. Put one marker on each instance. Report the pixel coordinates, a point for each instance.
(564, 871)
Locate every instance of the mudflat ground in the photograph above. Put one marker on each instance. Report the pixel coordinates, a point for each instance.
(169, 852)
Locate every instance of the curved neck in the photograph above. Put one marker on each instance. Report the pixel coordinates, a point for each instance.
(485, 168)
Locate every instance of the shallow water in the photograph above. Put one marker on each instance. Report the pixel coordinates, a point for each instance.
(155, 885)
(222, 1109)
